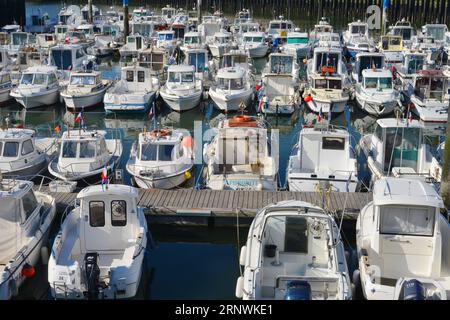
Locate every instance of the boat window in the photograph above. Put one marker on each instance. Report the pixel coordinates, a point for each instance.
(174, 77)
(165, 152)
(371, 83)
(118, 213)
(198, 61)
(359, 29)
(402, 145)
(1, 147)
(130, 76)
(334, 84)
(332, 143)
(27, 147)
(148, 152)
(411, 221)
(19, 39)
(82, 80)
(187, 77)
(320, 84)
(29, 203)
(283, 25)
(379, 133)
(87, 149)
(141, 76)
(327, 59)
(274, 26)
(281, 64)
(415, 64)
(191, 40)
(27, 78)
(385, 83)
(11, 149)
(236, 84)
(69, 149)
(62, 59)
(436, 32)
(96, 214)
(51, 78)
(39, 78)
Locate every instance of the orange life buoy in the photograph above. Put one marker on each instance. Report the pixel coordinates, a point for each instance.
(160, 132)
(242, 120)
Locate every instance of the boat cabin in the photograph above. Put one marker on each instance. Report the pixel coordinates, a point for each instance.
(412, 63)
(222, 37)
(377, 80)
(168, 12)
(391, 43)
(253, 37)
(181, 74)
(17, 146)
(61, 31)
(85, 12)
(430, 85)
(138, 79)
(366, 60)
(328, 60)
(152, 59)
(234, 58)
(39, 76)
(160, 146)
(192, 40)
(143, 28)
(76, 37)
(84, 79)
(280, 63)
(199, 59)
(244, 27)
(179, 30)
(166, 38)
(358, 28)
(231, 78)
(46, 40)
(436, 31)
(110, 30)
(89, 30)
(280, 27)
(67, 57)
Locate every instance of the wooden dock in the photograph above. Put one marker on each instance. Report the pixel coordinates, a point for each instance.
(187, 204)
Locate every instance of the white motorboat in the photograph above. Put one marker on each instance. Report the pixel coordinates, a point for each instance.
(89, 30)
(366, 60)
(323, 159)
(254, 44)
(330, 40)
(161, 158)
(376, 94)
(166, 40)
(99, 251)
(70, 57)
(323, 26)
(221, 43)
(238, 157)
(38, 86)
(404, 29)
(427, 44)
(104, 46)
(22, 154)
(5, 87)
(168, 13)
(294, 251)
(182, 90)
(134, 44)
(192, 40)
(280, 85)
(134, 93)
(397, 147)
(430, 97)
(393, 48)
(85, 90)
(401, 239)
(280, 27)
(436, 31)
(356, 28)
(298, 44)
(357, 39)
(70, 16)
(26, 217)
(84, 155)
(232, 88)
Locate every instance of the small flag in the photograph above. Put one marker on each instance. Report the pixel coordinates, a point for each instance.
(67, 40)
(151, 113)
(410, 119)
(260, 103)
(319, 116)
(104, 175)
(79, 118)
(69, 68)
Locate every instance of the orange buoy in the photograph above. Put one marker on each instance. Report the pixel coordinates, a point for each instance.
(188, 142)
(308, 99)
(28, 271)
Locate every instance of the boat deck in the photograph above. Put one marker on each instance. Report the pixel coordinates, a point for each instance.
(176, 204)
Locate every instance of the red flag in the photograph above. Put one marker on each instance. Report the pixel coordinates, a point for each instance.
(260, 105)
(319, 116)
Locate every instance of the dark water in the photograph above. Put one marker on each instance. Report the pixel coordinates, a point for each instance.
(187, 262)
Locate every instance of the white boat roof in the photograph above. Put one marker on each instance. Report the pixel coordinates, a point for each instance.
(192, 34)
(358, 23)
(254, 34)
(377, 73)
(112, 189)
(83, 135)
(181, 68)
(85, 74)
(296, 34)
(12, 188)
(85, 27)
(403, 191)
(327, 50)
(173, 137)
(294, 204)
(369, 54)
(166, 32)
(231, 73)
(16, 134)
(41, 69)
(401, 123)
(65, 46)
(318, 130)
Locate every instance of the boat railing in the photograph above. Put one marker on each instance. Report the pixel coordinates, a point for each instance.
(158, 170)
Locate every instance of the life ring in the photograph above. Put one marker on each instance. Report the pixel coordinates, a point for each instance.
(242, 120)
(160, 132)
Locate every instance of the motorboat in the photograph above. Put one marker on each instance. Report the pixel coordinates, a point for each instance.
(166, 40)
(392, 48)
(404, 29)
(401, 239)
(89, 30)
(70, 57)
(78, 37)
(254, 44)
(376, 94)
(38, 86)
(192, 40)
(280, 27)
(133, 46)
(356, 28)
(85, 90)
(84, 155)
(364, 61)
(280, 85)
(298, 44)
(134, 93)
(330, 40)
(357, 39)
(323, 26)
(70, 16)
(99, 250)
(294, 251)
(398, 148)
(25, 222)
(24, 155)
(168, 13)
(232, 89)
(153, 59)
(161, 158)
(239, 157)
(406, 72)
(436, 31)
(5, 87)
(221, 44)
(85, 12)
(323, 159)
(430, 97)
(426, 44)
(182, 90)
(104, 46)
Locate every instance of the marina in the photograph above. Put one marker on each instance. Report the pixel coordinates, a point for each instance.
(301, 156)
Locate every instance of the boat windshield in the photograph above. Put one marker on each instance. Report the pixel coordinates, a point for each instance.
(415, 64)
(62, 59)
(166, 36)
(410, 221)
(87, 149)
(11, 149)
(327, 59)
(222, 40)
(297, 40)
(191, 40)
(281, 64)
(30, 78)
(253, 39)
(19, 39)
(82, 80)
(358, 29)
(230, 84)
(328, 84)
(429, 88)
(405, 33)
(198, 60)
(69, 149)
(380, 83)
(401, 148)
(181, 77)
(154, 152)
(274, 26)
(437, 32)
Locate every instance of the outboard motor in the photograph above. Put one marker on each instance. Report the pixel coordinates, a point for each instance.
(298, 290)
(92, 274)
(412, 290)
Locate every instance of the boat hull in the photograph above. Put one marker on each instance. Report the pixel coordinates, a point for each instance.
(231, 102)
(165, 183)
(83, 102)
(336, 106)
(111, 106)
(376, 108)
(434, 112)
(181, 103)
(35, 101)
